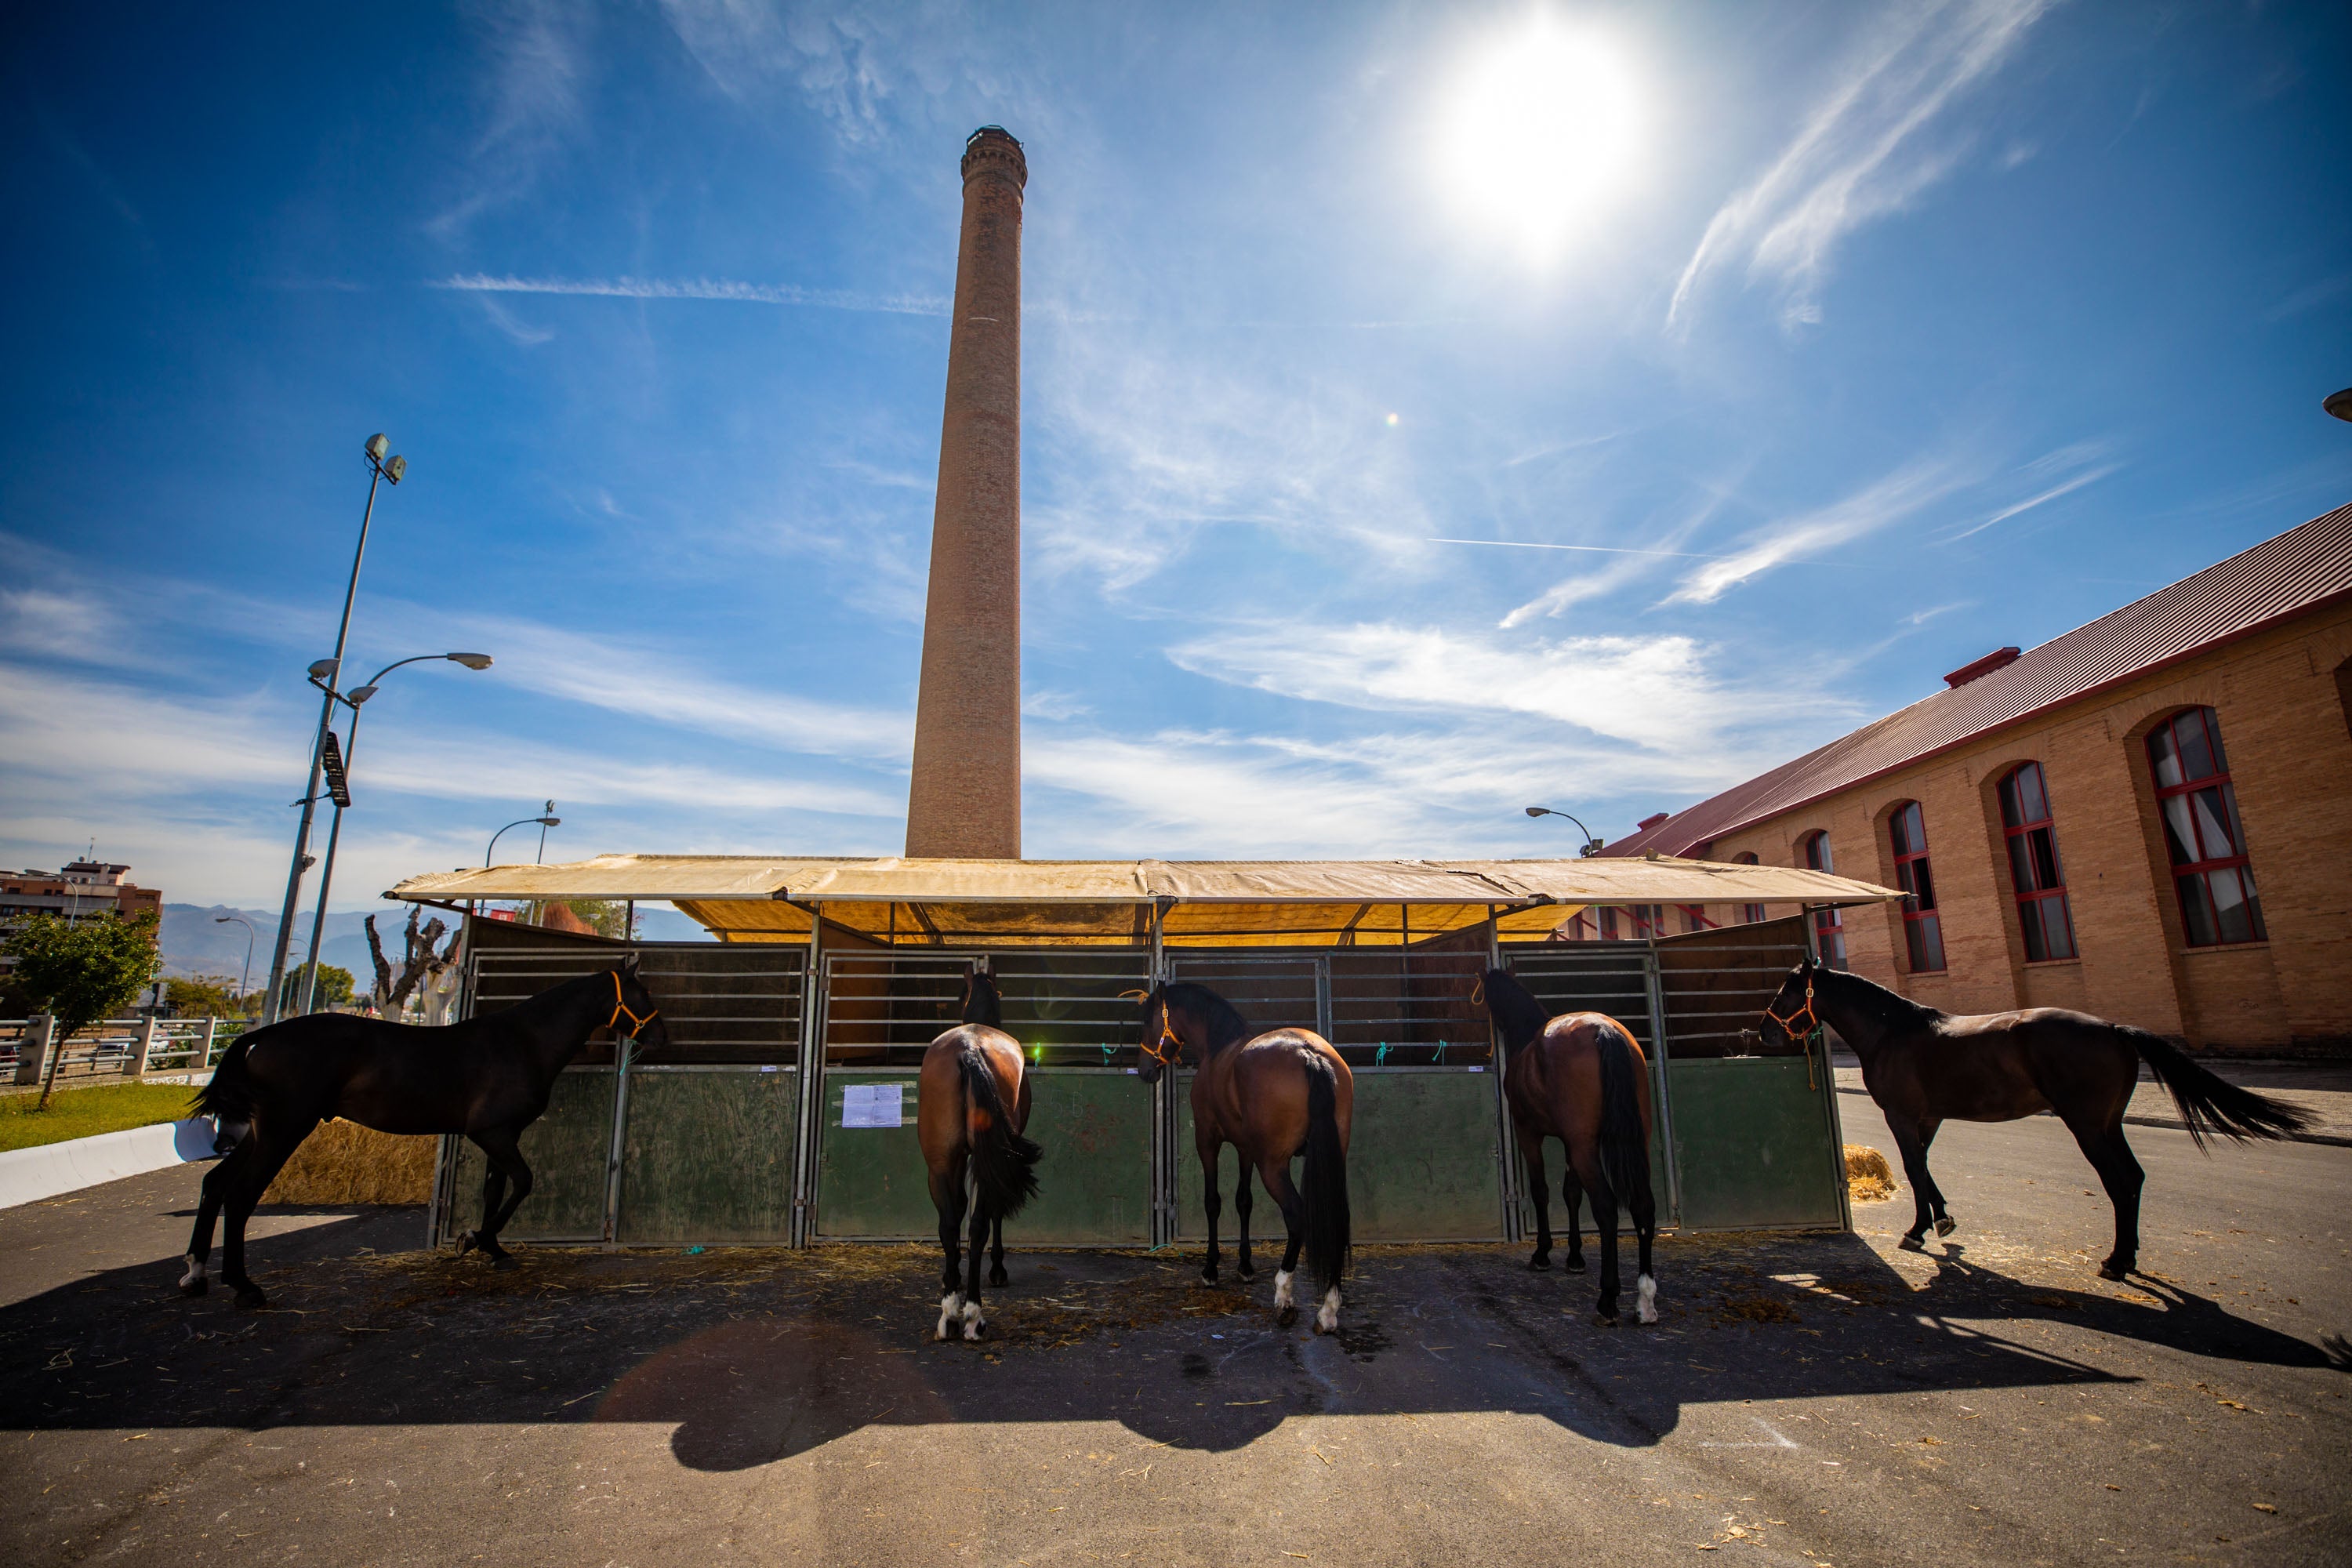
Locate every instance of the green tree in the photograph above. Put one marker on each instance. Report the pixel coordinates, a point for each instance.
(335, 985)
(79, 971)
(204, 996)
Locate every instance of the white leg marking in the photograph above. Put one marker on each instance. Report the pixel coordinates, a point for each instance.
(1647, 1309)
(972, 1321)
(951, 1305)
(1281, 1291)
(195, 1270)
(1327, 1319)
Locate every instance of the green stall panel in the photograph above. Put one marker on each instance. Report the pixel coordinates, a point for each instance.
(1094, 1183)
(1422, 1161)
(707, 1156)
(1755, 1143)
(870, 1181)
(569, 1150)
(1555, 1168)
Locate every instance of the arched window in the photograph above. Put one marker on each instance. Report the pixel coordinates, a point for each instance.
(2201, 831)
(1749, 914)
(1923, 930)
(1829, 927)
(2034, 866)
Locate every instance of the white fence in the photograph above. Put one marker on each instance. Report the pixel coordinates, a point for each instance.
(114, 1048)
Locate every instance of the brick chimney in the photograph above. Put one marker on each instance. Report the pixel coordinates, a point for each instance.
(965, 797)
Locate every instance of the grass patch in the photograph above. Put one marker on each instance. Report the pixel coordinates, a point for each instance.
(82, 1113)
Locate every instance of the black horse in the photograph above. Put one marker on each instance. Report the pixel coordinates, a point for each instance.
(488, 1078)
(1925, 1066)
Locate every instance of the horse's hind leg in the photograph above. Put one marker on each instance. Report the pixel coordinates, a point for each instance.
(997, 1278)
(1242, 1266)
(2120, 1173)
(499, 1146)
(1209, 1206)
(1604, 1225)
(975, 1323)
(1644, 1203)
(238, 1198)
(217, 1183)
(1539, 1188)
(1294, 1216)
(1927, 1202)
(947, 1197)
(1571, 1193)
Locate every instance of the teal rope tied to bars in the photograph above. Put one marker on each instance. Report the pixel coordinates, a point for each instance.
(1381, 1057)
(1441, 1053)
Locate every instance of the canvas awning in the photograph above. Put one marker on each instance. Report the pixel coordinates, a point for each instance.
(902, 902)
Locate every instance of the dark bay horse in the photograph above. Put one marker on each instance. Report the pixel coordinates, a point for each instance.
(1581, 1078)
(488, 1078)
(971, 1102)
(1925, 1066)
(1280, 1094)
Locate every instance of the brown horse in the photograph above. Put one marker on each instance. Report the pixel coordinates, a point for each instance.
(1925, 1066)
(1278, 1095)
(1581, 1078)
(971, 1102)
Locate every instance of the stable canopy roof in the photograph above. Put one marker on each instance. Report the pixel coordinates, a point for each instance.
(898, 900)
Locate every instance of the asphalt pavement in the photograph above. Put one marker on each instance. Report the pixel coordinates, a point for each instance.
(1807, 1399)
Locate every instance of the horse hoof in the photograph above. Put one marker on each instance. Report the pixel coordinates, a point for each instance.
(1574, 1266)
(251, 1298)
(1540, 1263)
(1912, 1243)
(1283, 1316)
(1247, 1271)
(1208, 1277)
(466, 1244)
(502, 1261)
(2114, 1270)
(195, 1286)
(1604, 1319)
(998, 1278)
(1945, 1224)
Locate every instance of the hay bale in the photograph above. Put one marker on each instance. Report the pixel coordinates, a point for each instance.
(1868, 1177)
(344, 1162)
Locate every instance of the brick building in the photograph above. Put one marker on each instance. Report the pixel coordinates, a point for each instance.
(83, 887)
(2148, 819)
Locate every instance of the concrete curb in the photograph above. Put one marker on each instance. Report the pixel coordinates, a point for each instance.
(2332, 1139)
(28, 1175)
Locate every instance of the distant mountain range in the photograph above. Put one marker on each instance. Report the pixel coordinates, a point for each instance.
(195, 943)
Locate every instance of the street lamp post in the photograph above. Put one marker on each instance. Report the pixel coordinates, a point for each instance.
(1592, 845)
(380, 469)
(245, 978)
(546, 818)
(358, 696)
(2339, 404)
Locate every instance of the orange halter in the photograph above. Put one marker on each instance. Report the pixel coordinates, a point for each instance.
(1811, 1017)
(621, 1010)
(1155, 1048)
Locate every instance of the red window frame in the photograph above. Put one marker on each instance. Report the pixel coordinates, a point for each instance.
(1749, 914)
(2037, 877)
(1829, 925)
(1695, 919)
(1923, 928)
(2197, 811)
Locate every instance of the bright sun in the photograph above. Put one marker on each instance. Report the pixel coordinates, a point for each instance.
(1541, 127)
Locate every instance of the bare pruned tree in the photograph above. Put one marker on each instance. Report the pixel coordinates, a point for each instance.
(417, 960)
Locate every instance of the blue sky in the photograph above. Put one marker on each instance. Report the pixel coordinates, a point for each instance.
(1887, 335)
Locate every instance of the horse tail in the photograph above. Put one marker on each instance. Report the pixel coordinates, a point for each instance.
(231, 1094)
(1325, 1187)
(2210, 1104)
(1624, 1139)
(1003, 1162)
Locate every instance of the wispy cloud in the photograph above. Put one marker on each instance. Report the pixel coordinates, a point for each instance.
(537, 57)
(2067, 457)
(724, 289)
(1897, 496)
(1865, 151)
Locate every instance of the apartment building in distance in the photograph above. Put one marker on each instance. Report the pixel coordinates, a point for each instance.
(2148, 819)
(83, 887)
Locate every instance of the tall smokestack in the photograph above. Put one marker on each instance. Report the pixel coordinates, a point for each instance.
(965, 799)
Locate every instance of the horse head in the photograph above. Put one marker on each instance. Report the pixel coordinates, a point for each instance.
(1791, 1017)
(982, 1004)
(1516, 1013)
(1163, 1037)
(635, 1013)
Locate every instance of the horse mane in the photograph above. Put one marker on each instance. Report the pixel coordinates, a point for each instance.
(982, 1005)
(1885, 1008)
(1513, 1008)
(1223, 1021)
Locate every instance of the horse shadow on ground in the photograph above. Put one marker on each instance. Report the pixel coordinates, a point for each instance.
(755, 1356)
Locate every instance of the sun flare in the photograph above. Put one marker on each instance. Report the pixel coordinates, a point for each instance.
(1542, 127)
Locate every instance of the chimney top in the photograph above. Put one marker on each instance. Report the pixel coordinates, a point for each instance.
(1651, 821)
(1982, 667)
(993, 150)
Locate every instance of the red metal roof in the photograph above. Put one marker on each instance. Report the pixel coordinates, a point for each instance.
(2298, 570)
